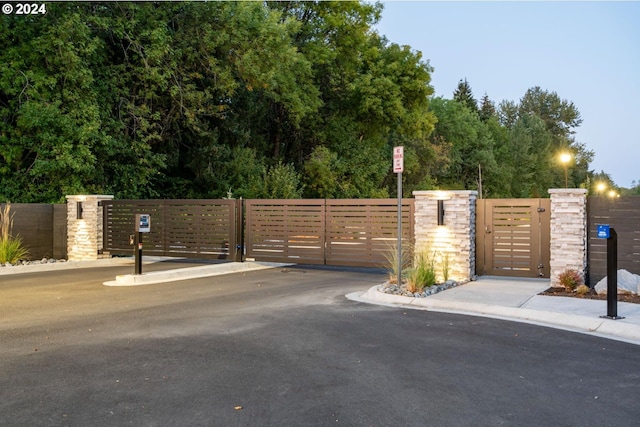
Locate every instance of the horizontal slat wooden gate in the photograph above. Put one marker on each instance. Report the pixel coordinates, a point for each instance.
(285, 230)
(513, 237)
(330, 232)
(179, 228)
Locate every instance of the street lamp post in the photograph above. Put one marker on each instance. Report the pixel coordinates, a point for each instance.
(565, 158)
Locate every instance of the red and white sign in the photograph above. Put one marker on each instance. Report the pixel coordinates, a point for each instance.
(398, 159)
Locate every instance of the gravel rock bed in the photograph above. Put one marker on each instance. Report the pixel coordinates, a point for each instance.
(37, 262)
(394, 289)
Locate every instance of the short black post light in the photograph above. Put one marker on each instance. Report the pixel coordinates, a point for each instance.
(79, 210)
(440, 212)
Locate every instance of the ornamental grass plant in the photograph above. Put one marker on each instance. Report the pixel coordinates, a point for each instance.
(422, 275)
(11, 248)
(391, 264)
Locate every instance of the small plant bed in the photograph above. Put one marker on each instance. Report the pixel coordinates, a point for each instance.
(36, 262)
(591, 294)
(394, 289)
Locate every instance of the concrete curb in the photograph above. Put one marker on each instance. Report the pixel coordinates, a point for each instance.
(190, 273)
(604, 328)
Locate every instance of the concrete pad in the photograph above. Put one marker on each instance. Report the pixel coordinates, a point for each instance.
(506, 292)
(189, 273)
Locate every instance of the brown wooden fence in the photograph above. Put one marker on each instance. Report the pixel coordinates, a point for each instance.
(42, 227)
(331, 232)
(623, 214)
(179, 228)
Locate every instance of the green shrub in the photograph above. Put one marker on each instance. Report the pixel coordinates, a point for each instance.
(423, 274)
(570, 279)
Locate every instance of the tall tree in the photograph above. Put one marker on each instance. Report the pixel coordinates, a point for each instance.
(487, 109)
(561, 118)
(464, 95)
(471, 146)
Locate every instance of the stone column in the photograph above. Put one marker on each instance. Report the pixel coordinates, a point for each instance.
(453, 243)
(568, 231)
(84, 235)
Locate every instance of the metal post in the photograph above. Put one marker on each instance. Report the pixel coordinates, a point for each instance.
(612, 276)
(399, 229)
(138, 253)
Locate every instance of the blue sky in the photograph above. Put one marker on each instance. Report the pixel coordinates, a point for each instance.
(586, 52)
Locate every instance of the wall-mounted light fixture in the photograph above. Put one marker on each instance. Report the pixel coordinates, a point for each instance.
(79, 210)
(440, 212)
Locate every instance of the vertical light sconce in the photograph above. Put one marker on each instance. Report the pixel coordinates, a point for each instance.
(79, 210)
(440, 212)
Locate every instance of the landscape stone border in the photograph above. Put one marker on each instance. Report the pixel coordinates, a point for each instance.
(394, 289)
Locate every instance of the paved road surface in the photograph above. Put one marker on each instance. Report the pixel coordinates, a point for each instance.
(283, 347)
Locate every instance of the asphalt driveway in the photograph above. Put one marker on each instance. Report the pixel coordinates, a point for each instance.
(284, 347)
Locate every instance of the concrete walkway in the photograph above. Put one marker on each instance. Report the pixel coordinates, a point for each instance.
(517, 299)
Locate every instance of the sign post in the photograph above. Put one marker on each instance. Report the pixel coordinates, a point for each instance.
(143, 225)
(398, 167)
(604, 231)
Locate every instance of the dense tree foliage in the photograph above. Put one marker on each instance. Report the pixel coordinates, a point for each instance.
(251, 99)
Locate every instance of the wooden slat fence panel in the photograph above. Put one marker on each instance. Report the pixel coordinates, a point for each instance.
(362, 232)
(332, 232)
(285, 230)
(42, 227)
(623, 214)
(199, 228)
(512, 236)
(179, 228)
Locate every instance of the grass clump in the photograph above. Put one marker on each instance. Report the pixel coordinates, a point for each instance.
(582, 290)
(11, 248)
(422, 275)
(391, 264)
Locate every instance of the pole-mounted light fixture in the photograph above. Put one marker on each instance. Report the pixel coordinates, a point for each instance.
(79, 210)
(440, 212)
(565, 158)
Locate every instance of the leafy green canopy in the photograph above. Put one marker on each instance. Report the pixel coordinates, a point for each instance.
(252, 99)
(183, 99)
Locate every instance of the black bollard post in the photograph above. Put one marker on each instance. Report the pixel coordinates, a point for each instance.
(138, 253)
(612, 276)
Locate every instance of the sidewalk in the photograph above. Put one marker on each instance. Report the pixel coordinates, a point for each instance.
(518, 300)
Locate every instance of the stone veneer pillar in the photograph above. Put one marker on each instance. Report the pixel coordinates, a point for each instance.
(84, 236)
(568, 232)
(455, 239)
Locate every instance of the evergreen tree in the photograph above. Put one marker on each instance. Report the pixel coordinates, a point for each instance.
(464, 95)
(487, 109)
